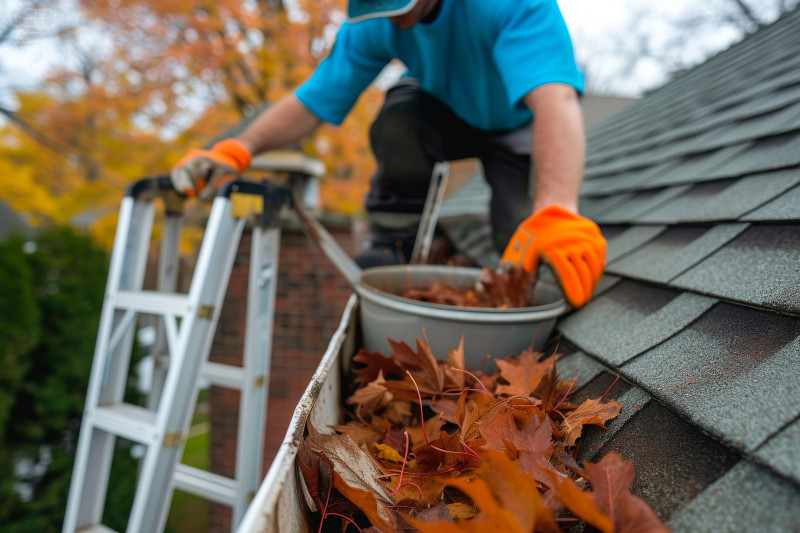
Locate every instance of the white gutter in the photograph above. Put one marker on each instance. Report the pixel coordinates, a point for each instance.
(279, 506)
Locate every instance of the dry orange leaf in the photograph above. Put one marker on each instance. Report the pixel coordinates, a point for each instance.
(589, 412)
(508, 500)
(524, 374)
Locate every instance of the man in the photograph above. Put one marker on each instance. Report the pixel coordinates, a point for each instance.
(495, 80)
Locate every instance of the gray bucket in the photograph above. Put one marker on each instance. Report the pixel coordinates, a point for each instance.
(495, 332)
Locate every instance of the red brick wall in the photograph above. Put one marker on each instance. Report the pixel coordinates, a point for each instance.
(311, 296)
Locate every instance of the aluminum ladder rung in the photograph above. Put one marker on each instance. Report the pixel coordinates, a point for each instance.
(153, 302)
(129, 421)
(219, 489)
(96, 528)
(228, 376)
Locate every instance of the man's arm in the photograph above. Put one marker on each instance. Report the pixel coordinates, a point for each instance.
(282, 124)
(555, 233)
(559, 145)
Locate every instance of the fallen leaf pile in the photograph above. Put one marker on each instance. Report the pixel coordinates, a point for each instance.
(432, 447)
(494, 288)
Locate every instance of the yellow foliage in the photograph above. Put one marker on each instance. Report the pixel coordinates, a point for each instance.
(86, 137)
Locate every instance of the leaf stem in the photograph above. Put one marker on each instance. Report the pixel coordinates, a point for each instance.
(421, 414)
(402, 469)
(609, 388)
(610, 496)
(346, 518)
(473, 377)
(556, 406)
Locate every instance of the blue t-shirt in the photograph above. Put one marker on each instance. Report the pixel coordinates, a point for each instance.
(480, 57)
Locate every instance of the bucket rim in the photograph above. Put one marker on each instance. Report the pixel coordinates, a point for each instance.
(483, 315)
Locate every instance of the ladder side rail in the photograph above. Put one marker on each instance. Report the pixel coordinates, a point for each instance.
(262, 287)
(209, 284)
(167, 281)
(131, 279)
(95, 447)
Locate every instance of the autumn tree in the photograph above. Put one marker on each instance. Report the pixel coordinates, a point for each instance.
(143, 81)
(229, 59)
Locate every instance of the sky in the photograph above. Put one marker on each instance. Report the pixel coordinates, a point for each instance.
(602, 32)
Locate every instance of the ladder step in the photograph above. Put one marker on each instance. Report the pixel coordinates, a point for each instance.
(231, 377)
(153, 302)
(96, 528)
(129, 421)
(205, 484)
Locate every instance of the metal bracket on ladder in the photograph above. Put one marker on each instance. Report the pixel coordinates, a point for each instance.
(187, 323)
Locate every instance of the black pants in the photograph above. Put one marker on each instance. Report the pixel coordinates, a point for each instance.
(412, 132)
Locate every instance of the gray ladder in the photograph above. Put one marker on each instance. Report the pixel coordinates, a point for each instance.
(187, 323)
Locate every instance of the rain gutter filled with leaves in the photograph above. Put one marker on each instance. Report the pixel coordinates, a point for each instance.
(416, 441)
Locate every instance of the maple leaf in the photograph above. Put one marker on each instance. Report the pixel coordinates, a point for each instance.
(551, 390)
(580, 503)
(456, 356)
(507, 289)
(523, 374)
(507, 498)
(433, 426)
(611, 479)
(428, 381)
(371, 398)
(445, 408)
(501, 432)
(609, 506)
(446, 450)
(589, 412)
(474, 410)
(355, 475)
(420, 491)
(319, 481)
(374, 363)
(360, 431)
(455, 362)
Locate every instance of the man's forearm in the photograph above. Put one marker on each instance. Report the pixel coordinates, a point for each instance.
(282, 124)
(559, 146)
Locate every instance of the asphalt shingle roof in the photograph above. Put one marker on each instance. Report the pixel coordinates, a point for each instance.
(697, 190)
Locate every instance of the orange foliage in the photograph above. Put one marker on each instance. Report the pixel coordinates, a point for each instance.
(499, 458)
(179, 74)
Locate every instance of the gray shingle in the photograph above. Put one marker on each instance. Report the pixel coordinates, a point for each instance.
(775, 152)
(631, 318)
(782, 452)
(674, 251)
(759, 267)
(724, 200)
(767, 96)
(784, 207)
(640, 204)
(594, 438)
(673, 461)
(629, 240)
(719, 370)
(631, 180)
(696, 168)
(748, 498)
(752, 127)
(592, 207)
(581, 366)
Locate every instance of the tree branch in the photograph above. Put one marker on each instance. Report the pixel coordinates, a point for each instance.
(748, 14)
(37, 135)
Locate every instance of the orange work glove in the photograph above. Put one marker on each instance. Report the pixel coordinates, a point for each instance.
(198, 168)
(571, 244)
